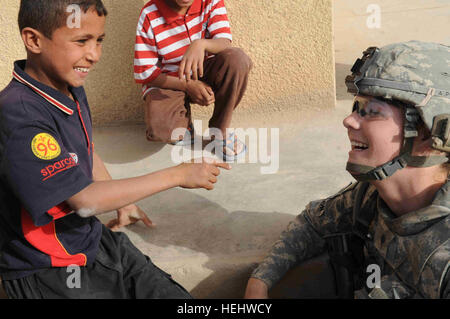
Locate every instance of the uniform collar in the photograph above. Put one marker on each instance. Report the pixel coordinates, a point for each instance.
(170, 15)
(419, 220)
(54, 97)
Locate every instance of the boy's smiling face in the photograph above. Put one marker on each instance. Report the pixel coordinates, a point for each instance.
(66, 59)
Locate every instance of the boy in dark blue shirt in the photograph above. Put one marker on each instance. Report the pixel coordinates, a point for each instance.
(52, 182)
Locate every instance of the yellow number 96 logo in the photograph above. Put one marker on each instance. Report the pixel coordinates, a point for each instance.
(45, 147)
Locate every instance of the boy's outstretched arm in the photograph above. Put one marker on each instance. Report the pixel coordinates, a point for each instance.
(105, 196)
(127, 215)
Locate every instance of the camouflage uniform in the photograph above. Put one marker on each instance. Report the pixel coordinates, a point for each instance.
(413, 251)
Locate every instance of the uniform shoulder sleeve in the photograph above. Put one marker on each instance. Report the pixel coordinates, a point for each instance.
(303, 238)
(40, 171)
(335, 213)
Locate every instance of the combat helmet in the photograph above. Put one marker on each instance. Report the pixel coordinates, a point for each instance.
(416, 74)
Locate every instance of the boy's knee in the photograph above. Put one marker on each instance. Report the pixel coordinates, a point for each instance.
(237, 59)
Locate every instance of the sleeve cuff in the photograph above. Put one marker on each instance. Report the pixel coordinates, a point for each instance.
(223, 36)
(151, 78)
(45, 210)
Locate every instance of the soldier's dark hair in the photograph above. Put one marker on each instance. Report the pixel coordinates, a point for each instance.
(48, 15)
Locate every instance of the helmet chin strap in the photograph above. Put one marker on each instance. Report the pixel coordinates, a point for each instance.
(369, 173)
(382, 172)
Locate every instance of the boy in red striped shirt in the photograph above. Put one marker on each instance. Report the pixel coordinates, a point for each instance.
(183, 54)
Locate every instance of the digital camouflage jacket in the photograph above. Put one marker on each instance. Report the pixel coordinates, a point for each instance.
(412, 251)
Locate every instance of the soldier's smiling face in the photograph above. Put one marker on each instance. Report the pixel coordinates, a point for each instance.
(375, 131)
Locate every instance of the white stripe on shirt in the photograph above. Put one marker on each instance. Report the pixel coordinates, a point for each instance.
(146, 74)
(144, 47)
(143, 62)
(169, 33)
(175, 46)
(219, 25)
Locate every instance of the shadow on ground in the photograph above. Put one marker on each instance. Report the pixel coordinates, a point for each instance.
(207, 249)
(124, 144)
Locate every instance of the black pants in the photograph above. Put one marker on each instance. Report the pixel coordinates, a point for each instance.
(120, 271)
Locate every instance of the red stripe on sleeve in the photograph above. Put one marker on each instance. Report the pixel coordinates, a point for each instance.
(60, 211)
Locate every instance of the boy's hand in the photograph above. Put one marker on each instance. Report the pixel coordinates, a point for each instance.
(201, 175)
(200, 93)
(193, 61)
(129, 215)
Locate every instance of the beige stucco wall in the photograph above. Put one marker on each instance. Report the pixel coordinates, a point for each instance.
(11, 47)
(400, 20)
(290, 43)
